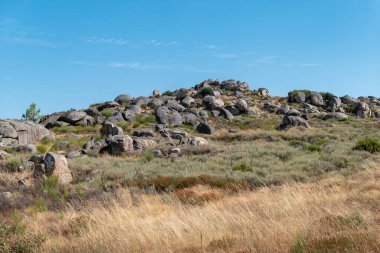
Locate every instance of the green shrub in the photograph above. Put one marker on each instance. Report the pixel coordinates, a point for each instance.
(8, 150)
(148, 156)
(353, 220)
(296, 143)
(74, 143)
(124, 125)
(312, 148)
(125, 104)
(168, 93)
(13, 236)
(42, 149)
(370, 145)
(107, 113)
(306, 92)
(40, 205)
(50, 185)
(76, 129)
(241, 167)
(207, 90)
(13, 164)
(327, 95)
(145, 119)
(299, 245)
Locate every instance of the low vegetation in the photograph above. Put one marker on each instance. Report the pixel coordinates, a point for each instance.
(315, 217)
(370, 145)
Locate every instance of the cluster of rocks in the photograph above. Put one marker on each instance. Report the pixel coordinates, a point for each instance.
(21, 135)
(51, 164)
(314, 102)
(185, 106)
(196, 107)
(116, 142)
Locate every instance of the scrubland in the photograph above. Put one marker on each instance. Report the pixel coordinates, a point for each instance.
(252, 190)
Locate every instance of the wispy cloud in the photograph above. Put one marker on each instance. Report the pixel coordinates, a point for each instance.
(228, 56)
(123, 42)
(289, 64)
(161, 43)
(29, 41)
(124, 65)
(13, 32)
(138, 65)
(267, 59)
(206, 45)
(113, 41)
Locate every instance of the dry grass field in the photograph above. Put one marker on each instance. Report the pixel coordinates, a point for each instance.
(335, 215)
(254, 190)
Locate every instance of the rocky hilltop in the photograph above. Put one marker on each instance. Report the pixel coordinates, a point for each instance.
(131, 166)
(200, 108)
(164, 123)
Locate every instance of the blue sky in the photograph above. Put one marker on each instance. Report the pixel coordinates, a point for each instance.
(68, 53)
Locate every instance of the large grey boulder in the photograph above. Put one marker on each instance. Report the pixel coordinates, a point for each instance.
(226, 114)
(213, 103)
(182, 93)
(283, 109)
(94, 147)
(205, 128)
(117, 117)
(296, 97)
(198, 141)
(109, 128)
(263, 92)
(242, 105)
(129, 115)
(168, 117)
(362, 110)
(348, 100)
(293, 112)
(135, 108)
(174, 105)
(334, 102)
(315, 99)
(123, 99)
(234, 85)
(56, 164)
(292, 121)
(16, 133)
(73, 116)
(335, 115)
(188, 102)
(190, 119)
(140, 144)
(119, 144)
(50, 121)
(141, 101)
(233, 110)
(155, 102)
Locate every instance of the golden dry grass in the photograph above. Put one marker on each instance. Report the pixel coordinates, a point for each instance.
(336, 215)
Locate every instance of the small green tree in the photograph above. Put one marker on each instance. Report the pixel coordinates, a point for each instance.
(33, 113)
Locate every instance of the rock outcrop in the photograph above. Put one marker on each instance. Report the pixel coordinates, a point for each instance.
(20, 133)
